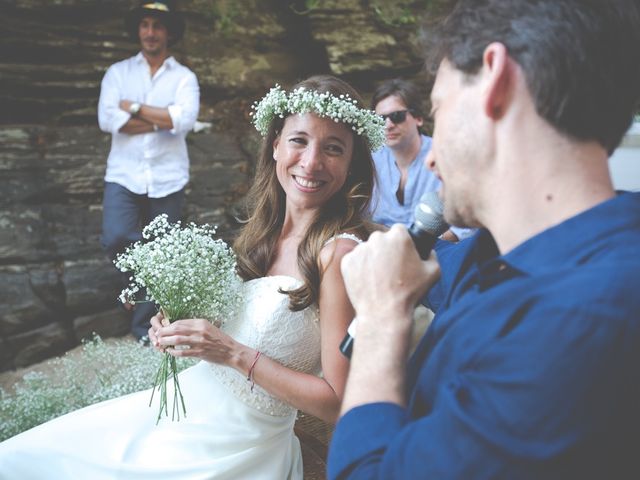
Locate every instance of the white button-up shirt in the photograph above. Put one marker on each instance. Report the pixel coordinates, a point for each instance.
(155, 163)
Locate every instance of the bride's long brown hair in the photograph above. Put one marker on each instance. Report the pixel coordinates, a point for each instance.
(346, 211)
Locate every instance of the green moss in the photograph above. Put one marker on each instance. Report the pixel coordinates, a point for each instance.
(397, 13)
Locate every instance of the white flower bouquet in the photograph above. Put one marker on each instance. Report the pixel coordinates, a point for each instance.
(189, 274)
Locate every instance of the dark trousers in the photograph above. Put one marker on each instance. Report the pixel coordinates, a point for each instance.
(124, 215)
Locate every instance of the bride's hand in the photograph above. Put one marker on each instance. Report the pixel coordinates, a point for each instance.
(156, 324)
(195, 337)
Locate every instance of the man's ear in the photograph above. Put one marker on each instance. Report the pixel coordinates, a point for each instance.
(497, 68)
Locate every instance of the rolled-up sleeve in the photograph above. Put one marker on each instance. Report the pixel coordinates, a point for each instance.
(184, 112)
(111, 117)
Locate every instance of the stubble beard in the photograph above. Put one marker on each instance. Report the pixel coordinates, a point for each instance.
(459, 211)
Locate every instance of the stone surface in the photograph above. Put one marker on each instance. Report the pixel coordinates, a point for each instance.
(109, 323)
(55, 282)
(38, 344)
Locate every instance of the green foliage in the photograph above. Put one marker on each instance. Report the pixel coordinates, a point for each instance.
(397, 13)
(99, 372)
(304, 7)
(224, 15)
(394, 13)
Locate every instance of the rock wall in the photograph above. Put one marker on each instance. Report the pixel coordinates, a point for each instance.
(56, 286)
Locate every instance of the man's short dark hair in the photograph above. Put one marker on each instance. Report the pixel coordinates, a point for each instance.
(404, 90)
(581, 58)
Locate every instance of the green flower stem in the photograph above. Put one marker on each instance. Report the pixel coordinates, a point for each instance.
(177, 392)
(168, 369)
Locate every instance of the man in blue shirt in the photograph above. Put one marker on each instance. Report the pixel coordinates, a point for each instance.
(531, 367)
(401, 178)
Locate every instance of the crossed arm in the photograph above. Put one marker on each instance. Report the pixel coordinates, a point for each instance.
(114, 116)
(145, 119)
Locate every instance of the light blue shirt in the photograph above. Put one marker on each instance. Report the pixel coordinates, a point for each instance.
(385, 207)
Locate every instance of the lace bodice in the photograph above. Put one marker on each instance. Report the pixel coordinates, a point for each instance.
(267, 324)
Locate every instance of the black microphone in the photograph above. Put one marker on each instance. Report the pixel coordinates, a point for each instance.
(428, 224)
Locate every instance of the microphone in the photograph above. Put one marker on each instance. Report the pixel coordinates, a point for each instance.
(428, 224)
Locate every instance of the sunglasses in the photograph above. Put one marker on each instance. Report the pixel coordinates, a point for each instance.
(396, 117)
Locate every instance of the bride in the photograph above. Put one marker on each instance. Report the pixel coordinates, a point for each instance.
(280, 354)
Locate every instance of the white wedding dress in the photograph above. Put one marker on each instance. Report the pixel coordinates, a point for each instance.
(230, 432)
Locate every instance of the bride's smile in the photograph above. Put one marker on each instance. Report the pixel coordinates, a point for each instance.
(308, 184)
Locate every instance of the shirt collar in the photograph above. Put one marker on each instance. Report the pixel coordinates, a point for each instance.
(570, 242)
(418, 162)
(169, 62)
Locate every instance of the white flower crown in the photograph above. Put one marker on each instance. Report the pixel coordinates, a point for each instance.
(341, 109)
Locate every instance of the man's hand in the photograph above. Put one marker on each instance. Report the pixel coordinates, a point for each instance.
(125, 105)
(148, 119)
(386, 274)
(385, 278)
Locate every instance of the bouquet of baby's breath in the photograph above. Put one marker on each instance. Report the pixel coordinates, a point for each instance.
(189, 274)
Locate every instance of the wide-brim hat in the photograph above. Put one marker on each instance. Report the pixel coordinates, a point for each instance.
(164, 10)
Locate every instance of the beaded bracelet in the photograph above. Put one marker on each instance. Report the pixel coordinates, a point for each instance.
(250, 374)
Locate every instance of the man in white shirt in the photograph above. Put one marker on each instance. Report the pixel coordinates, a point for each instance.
(148, 103)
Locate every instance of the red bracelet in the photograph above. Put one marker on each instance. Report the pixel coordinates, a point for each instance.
(250, 374)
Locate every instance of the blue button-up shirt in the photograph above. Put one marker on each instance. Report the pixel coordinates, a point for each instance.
(530, 369)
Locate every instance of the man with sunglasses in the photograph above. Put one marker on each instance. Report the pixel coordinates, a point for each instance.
(401, 176)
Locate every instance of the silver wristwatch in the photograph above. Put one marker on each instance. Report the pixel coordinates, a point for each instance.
(134, 108)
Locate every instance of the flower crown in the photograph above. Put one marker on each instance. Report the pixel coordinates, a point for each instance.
(341, 109)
